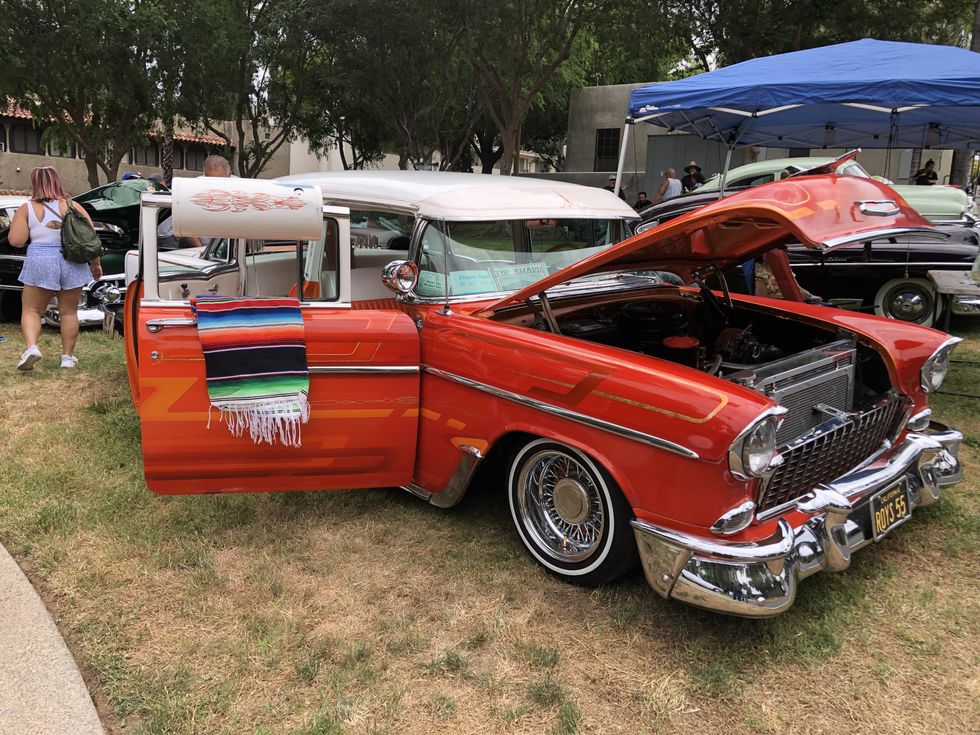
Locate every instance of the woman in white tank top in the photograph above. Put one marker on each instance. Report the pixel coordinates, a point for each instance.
(46, 273)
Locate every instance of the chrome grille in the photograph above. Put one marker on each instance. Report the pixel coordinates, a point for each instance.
(828, 454)
(801, 417)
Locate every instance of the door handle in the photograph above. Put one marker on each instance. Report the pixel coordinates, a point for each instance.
(212, 289)
(155, 325)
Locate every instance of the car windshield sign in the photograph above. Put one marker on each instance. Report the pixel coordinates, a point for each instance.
(498, 256)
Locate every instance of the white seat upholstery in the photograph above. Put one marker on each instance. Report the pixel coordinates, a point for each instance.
(365, 276)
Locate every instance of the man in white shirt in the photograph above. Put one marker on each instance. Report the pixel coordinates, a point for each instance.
(669, 188)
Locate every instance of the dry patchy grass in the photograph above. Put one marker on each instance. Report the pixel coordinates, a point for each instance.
(370, 612)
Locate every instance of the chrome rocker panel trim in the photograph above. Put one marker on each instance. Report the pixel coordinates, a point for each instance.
(760, 579)
(565, 413)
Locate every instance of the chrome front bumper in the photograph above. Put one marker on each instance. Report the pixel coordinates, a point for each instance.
(759, 579)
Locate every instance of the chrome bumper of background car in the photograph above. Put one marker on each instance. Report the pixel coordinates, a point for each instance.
(87, 317)
(966, 305)
(759, 579)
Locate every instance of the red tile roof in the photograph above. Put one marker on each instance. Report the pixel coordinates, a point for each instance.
(196, 138)
(14, 110)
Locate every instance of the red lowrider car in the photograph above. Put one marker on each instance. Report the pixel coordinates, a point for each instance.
(732, 445)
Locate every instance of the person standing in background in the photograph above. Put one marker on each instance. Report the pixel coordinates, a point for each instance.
(611, 186)
(693, 178)
(46, 273)
(670, 187)
(926, 176)
(215, 166)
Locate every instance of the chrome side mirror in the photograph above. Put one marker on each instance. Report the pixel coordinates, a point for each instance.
(400, 276)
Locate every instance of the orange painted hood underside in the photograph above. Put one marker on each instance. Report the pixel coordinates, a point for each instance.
(822, 212)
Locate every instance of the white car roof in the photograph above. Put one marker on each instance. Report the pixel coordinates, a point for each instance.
(12, 200)
(460, 196)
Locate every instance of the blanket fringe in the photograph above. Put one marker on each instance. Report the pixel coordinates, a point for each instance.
(267, 421)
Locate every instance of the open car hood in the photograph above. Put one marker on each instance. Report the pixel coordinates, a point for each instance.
(822, 212)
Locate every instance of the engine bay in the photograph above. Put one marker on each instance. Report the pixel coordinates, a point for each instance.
(710, 335)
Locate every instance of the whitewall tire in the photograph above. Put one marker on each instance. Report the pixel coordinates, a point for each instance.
(569, 514)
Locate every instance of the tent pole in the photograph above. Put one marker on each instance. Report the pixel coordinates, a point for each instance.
(724, 172)
(622, 155)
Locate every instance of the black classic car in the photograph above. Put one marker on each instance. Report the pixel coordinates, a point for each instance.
(886, 276)
(115, 210)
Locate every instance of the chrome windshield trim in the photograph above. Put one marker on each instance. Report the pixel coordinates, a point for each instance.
(884, 232)
(363, 369)
(581, 418)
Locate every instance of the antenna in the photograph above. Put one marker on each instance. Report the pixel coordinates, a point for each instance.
(446, 311)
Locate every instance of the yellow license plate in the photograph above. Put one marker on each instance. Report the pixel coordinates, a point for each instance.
(889, 508)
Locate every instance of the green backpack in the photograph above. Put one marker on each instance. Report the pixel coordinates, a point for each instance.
(79, 243)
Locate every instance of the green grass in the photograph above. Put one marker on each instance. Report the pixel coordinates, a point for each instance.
(370, 612)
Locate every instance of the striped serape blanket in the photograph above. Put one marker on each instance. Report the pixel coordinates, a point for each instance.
(255, 363)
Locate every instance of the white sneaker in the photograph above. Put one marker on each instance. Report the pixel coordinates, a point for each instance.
(69, 361)
(30, 357)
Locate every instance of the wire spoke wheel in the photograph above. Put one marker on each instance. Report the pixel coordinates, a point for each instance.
(569, 514)
(560, 505)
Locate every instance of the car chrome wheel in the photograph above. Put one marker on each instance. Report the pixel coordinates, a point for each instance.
(569, 514)
(559, 504)
(909, 300)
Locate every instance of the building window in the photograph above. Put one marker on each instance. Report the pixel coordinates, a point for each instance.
(606, 149)
(147, 155)
(3, 137)
(194, 157)
(61, 150)
(25, 139)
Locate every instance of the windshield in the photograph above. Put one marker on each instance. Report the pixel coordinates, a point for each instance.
(853, 168)
(506, 255)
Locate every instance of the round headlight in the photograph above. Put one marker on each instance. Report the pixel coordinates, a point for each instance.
(112, 295)
(759, 448)
(753, 452)
(935, 368)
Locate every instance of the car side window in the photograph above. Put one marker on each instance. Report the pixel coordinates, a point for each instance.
(278, 267)
(752, 181)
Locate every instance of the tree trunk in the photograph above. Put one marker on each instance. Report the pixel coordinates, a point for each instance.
(959, 170)
(167, 153)
(92, 169)
(511, 153)
(487, 154)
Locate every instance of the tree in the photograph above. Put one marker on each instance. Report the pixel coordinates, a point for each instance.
(721, 32)
(261, 64)
(401, 64)
(84, 67)
(515, 48)
(961, 168)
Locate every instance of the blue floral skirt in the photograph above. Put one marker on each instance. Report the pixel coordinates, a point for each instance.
(45, 267)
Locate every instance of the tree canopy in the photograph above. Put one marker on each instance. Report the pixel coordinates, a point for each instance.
(465, 82)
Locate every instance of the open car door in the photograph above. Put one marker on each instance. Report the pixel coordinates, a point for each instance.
(363, 364)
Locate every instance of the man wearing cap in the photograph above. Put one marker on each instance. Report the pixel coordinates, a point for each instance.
(611, 186)
(694, 177)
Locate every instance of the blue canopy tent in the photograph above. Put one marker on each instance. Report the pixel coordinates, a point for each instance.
(867, 93)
